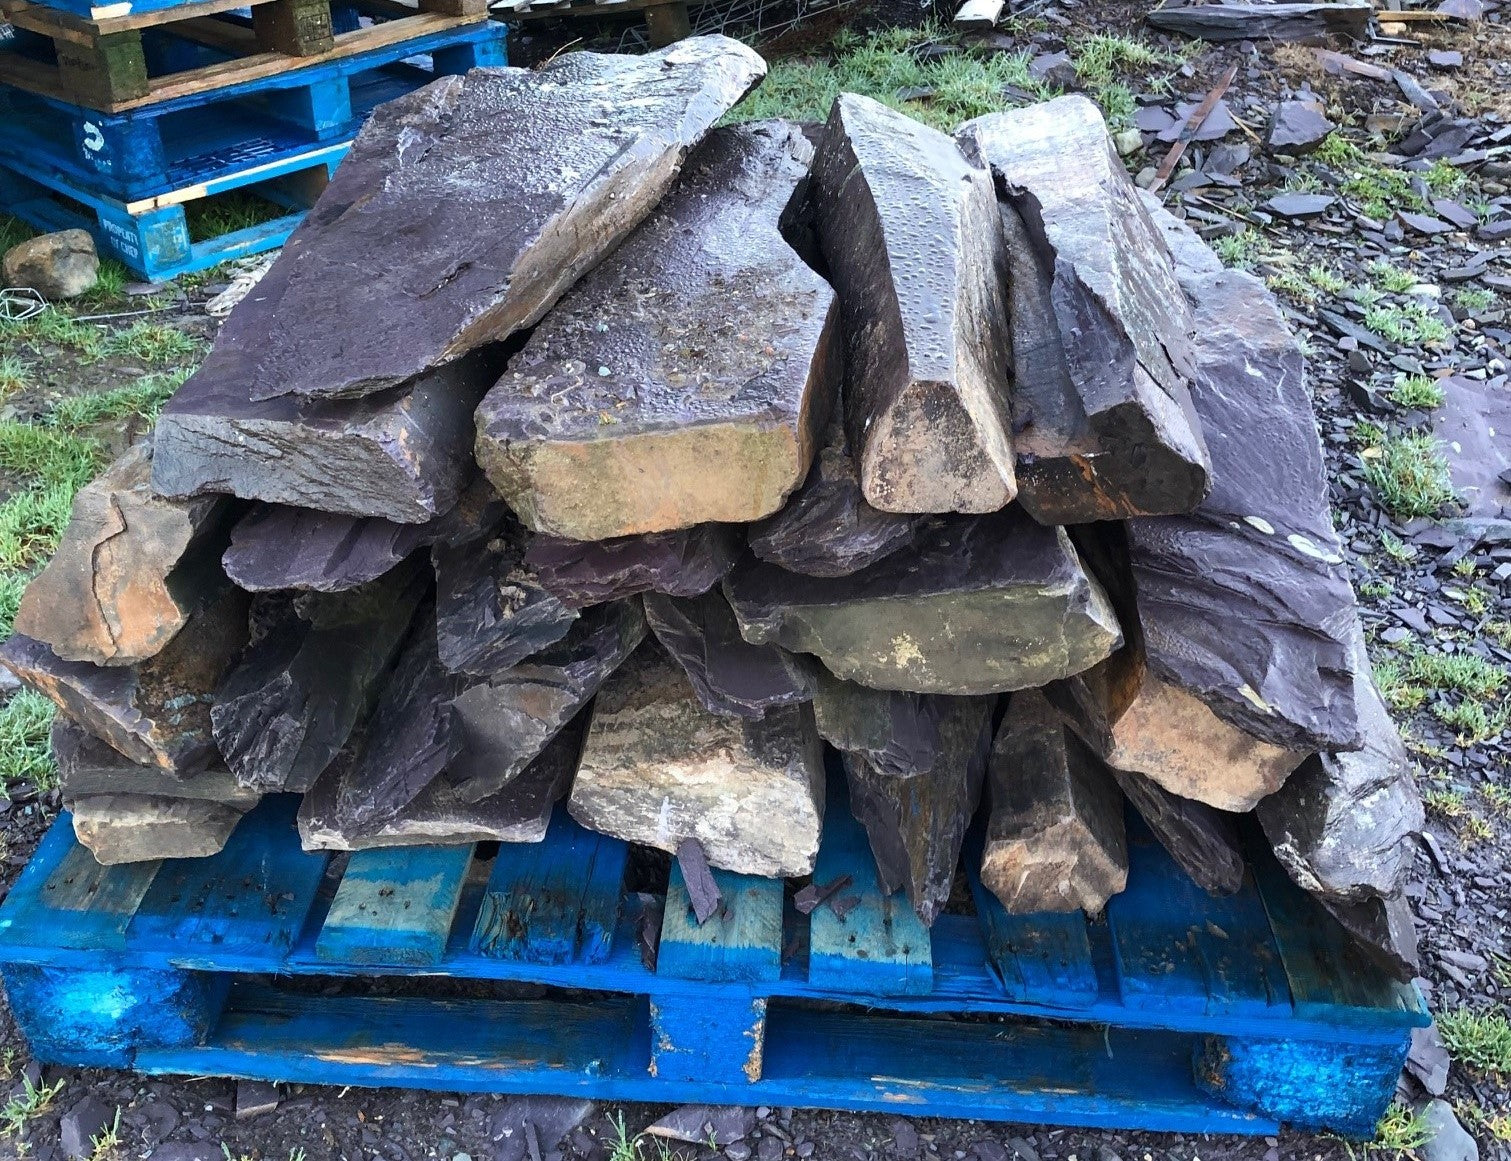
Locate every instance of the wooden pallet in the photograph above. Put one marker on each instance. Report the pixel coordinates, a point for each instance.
(1175, 1011)
(189, 141)
(664, 22)
(116, 63)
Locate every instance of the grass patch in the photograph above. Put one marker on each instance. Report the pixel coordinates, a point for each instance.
(1464, 673)
(1449, 804)
(1325, 280)
(54, 465)
(55, 328)
(1473, 299)
(1410, 474)
(28, 1103)
(1497, 798)
(143, 399)
(25, 722)
(1391, 278)
(13, 372)
(1412, 324)
(238, 210)
(152, 343)
(1397, 688)
(1417, 392)
(1400, 1132)
(1375, 590)
(1240, 251)
(1478, 1040)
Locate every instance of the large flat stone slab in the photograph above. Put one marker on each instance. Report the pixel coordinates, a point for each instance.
(913, 240)
(1102, 417)
(686, 379)
(684, 563)
(158, 711)
(87, 767)
(977, 605)
(1246, 603)
(137, 828)
(130, 568)
(916, 826)
(452, 223)
(658, 769)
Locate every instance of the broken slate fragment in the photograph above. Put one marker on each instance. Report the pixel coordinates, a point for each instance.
(156, 712)
(129, 571)
(1216, 125)
(827, 528)
(138, 828)
(1423, 223)
(447, 227)
(702, 890)
(979, 604)
(87, 767)
(1202, 840)
(1280, 22)
(658, 768)
(1297, 128)
(916, 826)
(1385, 929)
(896, 733)
(686, 380)
(717, 1125)
(913, 241)
(276, 547)
(684, 563)
(731, 676)
(1102, 417)
(1299, 205)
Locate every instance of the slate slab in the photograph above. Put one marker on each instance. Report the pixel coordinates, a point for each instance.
(895, 733)
(139, 828)
(88, 767)
(684, 563)
(686, 379)
(1473, 425)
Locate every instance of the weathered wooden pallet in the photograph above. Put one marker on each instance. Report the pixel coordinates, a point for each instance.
(176, 146)
(1174, 1011)
(114, 63)
(665, 20)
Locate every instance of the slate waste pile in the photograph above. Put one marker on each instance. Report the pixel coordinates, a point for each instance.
(575, 449)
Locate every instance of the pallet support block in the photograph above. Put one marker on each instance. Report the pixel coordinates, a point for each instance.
(113, 68)
(704, 1036)
(1339, 1087)
(98, 1019)
(125, 147)
(294, 27)
(667, 23)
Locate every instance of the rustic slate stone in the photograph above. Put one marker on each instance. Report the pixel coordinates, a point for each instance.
(156, 712)
(978, 605)
(1246, 603)
(730, 676)
(1472, 426)
(1055, 840)
(129, 570)
(1297, 127)
(702, 890)
(138, 828)
(288, 707)
(518, 813)
(684, 563)
(448, 227)
(87, 767)
(826, 528)
(1281, 22)
(658, 768)
(687, 379)
(275, 547)
(508, 718)
(895, 733)
(1102, 417)
(1345, 825)
(1385, 929)
(491, 610)
(916, 826)
(912, 239)
(401, 455)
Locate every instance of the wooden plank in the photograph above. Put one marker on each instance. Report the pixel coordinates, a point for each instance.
(880, 945)
(224, 35)
(740, 944)
(51, 21)
(1039, 959)
(1178, 947)
(250, 899)
(555, 901)
(395, 906)
(1330, 977)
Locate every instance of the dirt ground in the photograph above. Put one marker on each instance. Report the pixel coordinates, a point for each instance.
(1412, 575)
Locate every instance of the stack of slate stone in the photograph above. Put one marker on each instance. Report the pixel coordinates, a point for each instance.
(574, 449)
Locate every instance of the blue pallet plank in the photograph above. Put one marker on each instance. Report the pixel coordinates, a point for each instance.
(253, 897)
(1039, 959)
(395, 906)
(1178, 947)
(554, 901)
(880, 945)
(740, 944)
(65, 899)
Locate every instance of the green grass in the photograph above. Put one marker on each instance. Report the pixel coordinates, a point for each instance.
(1400, 1133)
(1469, 720)
(1325, 280)
(143, 399)
(1410, 474)
(1411, 324)
(1468, 674)
(1473, 298)
(30, 1102)
(153, 343)
(1391, 278)
(13, 373)
(1417, 392)
(1478, 1040)
(1240, 251)
(1445, 803)
(25, 721)
(55, 327)
(214, 216)
(1397, 688)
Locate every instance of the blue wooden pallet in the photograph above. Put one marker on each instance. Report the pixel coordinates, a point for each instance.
(1175, 1011)
(241, 128)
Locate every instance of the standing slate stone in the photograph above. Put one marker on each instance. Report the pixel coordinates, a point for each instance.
(1055, 838)
(491, 610)
(916, 826)
(684, 563)
(466, 208)
(157, 712)
(1246, 603)
(139, 828)
(658, 768)
(978, 605)
(827, 528)
(519, 813)
(1102, 417)
(130, 569)
(288, 708)
(893, 733)
(87, 768)
(687, 379)
(402, 455)
(1345, 825)
(1385, 929)
(730, 676)
(913, 241)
